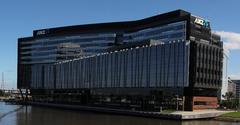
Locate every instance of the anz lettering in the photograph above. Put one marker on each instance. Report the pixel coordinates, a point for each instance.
(41, 32)
(202, 22)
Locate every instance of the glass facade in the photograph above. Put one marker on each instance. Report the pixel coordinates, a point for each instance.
(165, 33)
(56, 49)
(164, 65)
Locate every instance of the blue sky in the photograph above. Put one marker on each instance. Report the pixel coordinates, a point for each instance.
(19, 17)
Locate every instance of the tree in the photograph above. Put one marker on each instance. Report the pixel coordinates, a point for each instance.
(230, 102)
(1, 93)
(228, 96)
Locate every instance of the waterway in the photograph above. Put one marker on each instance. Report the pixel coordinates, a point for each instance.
(31, 115)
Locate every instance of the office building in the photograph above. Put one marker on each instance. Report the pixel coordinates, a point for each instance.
(237, 82)
(143, 65)
(224, 88)
(231, 87)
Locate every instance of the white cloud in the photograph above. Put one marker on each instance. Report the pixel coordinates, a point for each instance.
(235, 76)
(231, 40)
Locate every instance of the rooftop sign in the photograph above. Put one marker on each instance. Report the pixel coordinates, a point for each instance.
(202, 22)
(41, 32)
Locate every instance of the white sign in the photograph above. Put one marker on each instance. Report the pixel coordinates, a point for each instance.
(199, 21)
(41, 32)
(202, 22)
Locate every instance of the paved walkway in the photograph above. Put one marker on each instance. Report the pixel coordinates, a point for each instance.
(198, 114)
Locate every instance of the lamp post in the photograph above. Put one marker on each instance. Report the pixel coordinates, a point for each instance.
(2, 84)
(177, 102)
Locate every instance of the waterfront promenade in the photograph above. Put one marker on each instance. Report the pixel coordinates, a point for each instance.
(200, 114)
(177, 115)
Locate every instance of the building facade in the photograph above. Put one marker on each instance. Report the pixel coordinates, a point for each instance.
(232, 87)
(224, 88)
(237, 82)
(143, 64)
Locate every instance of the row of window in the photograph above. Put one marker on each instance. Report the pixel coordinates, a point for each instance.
(171, 31)
(77, 39)
(210, 82)
(157, 30)
(163, 65)
(209, 71)
(47, 47)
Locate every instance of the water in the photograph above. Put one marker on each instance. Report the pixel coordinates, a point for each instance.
(31, 115)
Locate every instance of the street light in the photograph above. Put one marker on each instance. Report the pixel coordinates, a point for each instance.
(177, 102)
(2, 84)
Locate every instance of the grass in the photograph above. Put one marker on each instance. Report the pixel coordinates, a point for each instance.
(232, 115)
(168, 111)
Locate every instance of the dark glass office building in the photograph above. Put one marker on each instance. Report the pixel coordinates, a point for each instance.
(169, 60)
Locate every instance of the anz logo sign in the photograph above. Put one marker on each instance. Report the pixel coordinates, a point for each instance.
(202, 22)
(41, 32)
